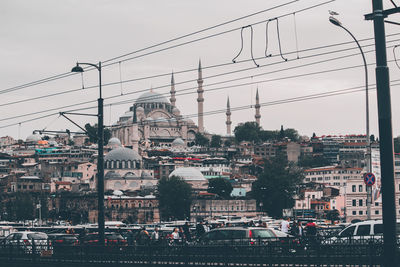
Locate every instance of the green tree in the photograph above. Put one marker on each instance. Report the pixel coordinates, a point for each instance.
(174, 196)
(397, 144)
(292, 134)
(215, 141)
(332, 215)
(312, 162)
(220, 186)
(92, 133)
(249, 131)
(24, 206)
(276, 185)
(201, 140)
(268, 135)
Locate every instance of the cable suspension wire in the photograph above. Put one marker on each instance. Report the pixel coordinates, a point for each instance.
(185, 93)
(160, 50)
(191, 88)
(271, 103)
(195, 69)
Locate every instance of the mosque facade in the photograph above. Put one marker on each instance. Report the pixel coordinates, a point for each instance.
(154, 120)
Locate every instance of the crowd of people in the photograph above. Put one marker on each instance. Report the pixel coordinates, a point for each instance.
(297, 229)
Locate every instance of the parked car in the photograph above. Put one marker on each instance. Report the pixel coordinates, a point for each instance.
(28, 243)
(61, 239)
(245, 236)
(110, 239)
(361, 232)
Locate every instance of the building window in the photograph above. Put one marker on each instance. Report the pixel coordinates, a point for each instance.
(353, 188)
(354, 212)
(360, 202)
(377, 212)
(360, 188)
(360, 212)
(354, 202)
(376, 204)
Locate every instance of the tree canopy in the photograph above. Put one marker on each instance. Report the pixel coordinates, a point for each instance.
(276, 185)
(220, 186)
(251, 131)
(201, 140)
(312, 162)
(215, 141)
(92, 132)
(175, 197)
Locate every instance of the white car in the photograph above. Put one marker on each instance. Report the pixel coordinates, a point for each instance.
(28, 243)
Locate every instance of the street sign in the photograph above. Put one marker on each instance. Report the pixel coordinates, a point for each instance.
(369, 179)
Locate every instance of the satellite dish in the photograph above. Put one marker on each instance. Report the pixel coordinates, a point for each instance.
(118, 193)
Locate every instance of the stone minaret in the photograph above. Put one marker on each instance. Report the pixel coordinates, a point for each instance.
(228, 118)
(200, 99)
(257, 106)
(172, 99)
(135, 132)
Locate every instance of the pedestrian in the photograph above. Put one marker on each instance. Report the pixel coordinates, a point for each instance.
(200, 230)
(176, 238)
(143, 237)
(155, 236)
(186, 231)
(311, 229)
(285, 225)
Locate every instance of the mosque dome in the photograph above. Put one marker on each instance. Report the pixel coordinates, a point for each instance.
(114, 142)
(122, 153)
(188, 174)
(33, 138)
(178, 142)
(152, 97)
(112, 175)
(139, 110)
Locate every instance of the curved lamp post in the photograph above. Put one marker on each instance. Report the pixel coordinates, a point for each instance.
(100, 157)
(336, 22)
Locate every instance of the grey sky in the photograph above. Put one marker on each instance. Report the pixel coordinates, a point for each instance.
(44, 38)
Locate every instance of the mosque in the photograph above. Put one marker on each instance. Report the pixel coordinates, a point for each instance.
(155, 120)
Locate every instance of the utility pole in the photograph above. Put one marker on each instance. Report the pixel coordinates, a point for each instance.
(385, 132)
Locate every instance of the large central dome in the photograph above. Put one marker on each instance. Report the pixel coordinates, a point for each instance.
(152, 97)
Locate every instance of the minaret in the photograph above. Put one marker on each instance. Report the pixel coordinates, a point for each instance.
(200, 99)
(172, 99)
(257, 106)
(135, 132)
(228, 118)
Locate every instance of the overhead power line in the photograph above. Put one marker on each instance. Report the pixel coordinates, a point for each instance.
(206, 67)
(52, 78)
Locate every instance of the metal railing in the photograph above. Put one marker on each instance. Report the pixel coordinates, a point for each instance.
(307, 251)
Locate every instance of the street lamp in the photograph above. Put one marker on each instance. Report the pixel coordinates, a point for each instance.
(336, 22)
(100, 158)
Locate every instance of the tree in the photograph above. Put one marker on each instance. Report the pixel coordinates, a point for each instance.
(332, 215)
(92, 133)
(201, 140)
(215, 141)
(276, 185)
(397, 144)
(220, 186)
(312, 162)
(174, 196)
(268, 135)
(249, 131)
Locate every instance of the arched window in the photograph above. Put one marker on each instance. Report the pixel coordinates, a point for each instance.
(140, 204)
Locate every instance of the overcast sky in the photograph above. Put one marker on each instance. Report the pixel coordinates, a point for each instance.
(45, 38)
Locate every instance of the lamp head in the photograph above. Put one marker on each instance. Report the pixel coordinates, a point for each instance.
(77, 68)
(335, 21)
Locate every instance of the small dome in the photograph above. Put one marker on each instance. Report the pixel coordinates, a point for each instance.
(114, 142)
(139, 110)
(145, 175)
(33, 138)
(152, 97)
(176, 111)
(122, 153)
(178, 142)
(188, 174)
